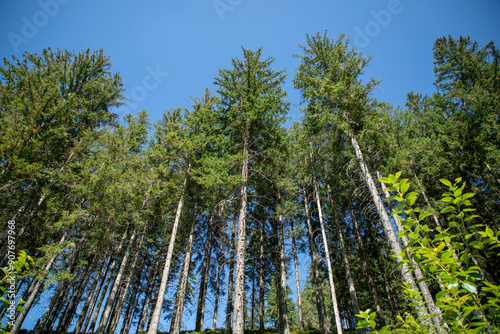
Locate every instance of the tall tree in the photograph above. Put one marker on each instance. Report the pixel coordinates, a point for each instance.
(252, 106)
(329, 77)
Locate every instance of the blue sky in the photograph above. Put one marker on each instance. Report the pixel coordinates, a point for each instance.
(169, 50)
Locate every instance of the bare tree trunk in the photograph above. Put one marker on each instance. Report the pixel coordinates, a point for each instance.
(129, 313)
(230, 284)
(104, 290)
(253, 302)
(239, 279)
(283, 324)
(103, 323)
(217, 288)
(175, 325)
(117, 309)
(61, 286)
(392, 301)
(389, 231)
(347, 266)
(202, 296)
(327, 252)
(149, 292)
(364, 263)
(60, 300)
(91, 299)
(320, 303)
(262, 284)
(155, 317)
(297, 280)
(34, 293)
(79, 289)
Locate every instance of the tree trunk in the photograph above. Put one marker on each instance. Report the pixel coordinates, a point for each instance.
(389, 231)
(392, 301)
(327, 252)
(79, 289)
(34, 293)
(155, 317)
(104, 290)
(239, 280)
(347, 266)
(175, 325)
(103, 323)
(283, 324)
(262, 284)
(320, 303)
(202, 296)
(366, 269)
(149, 293)
(253, 303)
(297, 279)
(91, 299)
(130, 312)
(71, 263)
(230, 283)
(117, 309)
(217, 288)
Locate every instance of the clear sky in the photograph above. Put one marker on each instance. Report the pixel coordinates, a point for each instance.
(169, 50)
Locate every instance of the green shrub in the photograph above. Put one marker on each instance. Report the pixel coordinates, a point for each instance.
(469, 304)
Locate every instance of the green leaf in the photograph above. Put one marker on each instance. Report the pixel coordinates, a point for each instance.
(445, 182)
(385, 180)
(448, 209)
(477, 276)
(405, 187)
(423, 215)
(469, 287)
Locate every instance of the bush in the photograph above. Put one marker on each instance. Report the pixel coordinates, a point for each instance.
(469, 304)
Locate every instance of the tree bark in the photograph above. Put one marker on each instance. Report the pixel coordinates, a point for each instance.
(117, 309)
(239, 280)
(366, 269)
(347, 266)
(175, 325)
(320, 303)
(281, 287)
(389, 231)
(327, 252)
(217, 288)
(91, 299)
(34, 293)
(155, 317)
(230, 283)
(149, 292)
(262, 284)
(60, 287)
(104, 290)
(202, 296)
(79, 289)
(103, 323)
(297, 279)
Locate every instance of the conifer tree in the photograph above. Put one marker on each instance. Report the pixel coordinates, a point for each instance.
(251, 106)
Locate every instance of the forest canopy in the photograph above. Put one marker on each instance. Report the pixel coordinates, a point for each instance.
(132, 226)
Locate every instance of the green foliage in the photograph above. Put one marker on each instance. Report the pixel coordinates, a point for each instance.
(7, 284)
(468, 302)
